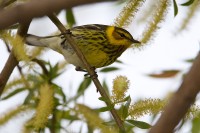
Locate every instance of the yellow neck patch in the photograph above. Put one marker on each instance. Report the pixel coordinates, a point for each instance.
(112, 39)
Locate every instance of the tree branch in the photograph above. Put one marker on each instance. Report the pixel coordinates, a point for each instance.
(89, 69)
(7, 70)
(180, 102)
(12, 61)
(24, 12)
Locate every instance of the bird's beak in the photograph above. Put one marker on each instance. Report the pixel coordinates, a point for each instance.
(135, 41)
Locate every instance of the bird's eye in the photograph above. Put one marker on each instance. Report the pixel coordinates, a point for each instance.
(122, 35)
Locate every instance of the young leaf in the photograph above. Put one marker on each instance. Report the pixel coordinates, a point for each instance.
(119, 61)
(128, 99)
(53, 72)
(123, 111)
(140, 124)
(84, 85)
(70, 17)
(126, 107)
(188, 3)
(195, 125)
(103, 99)
(109, 69)
(129, 127)
(29, 97)
(105, 86)
(190, 60)
(18, 90)
(104, 109)
(59, 91)
(175, 8)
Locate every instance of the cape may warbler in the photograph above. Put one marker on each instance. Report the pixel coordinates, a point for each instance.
(100, 44)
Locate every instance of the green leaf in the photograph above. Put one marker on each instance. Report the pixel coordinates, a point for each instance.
(190, 60)
(126, 107)
(70, 17)
(103, 99)
(123, 111)
(105, 86)
(139, 124)
(104, 109)
(195, 125)
(109, 69)
(175, 8)
(29, 97)
(119, 61)
(128, 99)
(188, 3)
(129, 127)
(59, 91)
(53, 72)
(84, 85)
(123, 100)
(18, 90)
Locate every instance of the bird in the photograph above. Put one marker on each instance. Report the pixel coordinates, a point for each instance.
(100, 44)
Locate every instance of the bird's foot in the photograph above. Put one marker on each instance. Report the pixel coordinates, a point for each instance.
(87, 75)
(66, 32)
(80, 69)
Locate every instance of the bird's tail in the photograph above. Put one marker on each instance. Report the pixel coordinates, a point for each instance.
(52, 42)
(40, 41)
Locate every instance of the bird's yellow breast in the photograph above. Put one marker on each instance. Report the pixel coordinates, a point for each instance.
(97, 58)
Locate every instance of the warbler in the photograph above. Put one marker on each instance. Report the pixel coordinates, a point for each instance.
(100, 44)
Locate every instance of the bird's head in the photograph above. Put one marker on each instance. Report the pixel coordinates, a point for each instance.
(119, 36)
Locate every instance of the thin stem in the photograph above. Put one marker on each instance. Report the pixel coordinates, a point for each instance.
(89, 69)
(7, 70)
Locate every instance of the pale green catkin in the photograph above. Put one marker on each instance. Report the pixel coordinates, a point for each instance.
(157, 17)
(128, 12)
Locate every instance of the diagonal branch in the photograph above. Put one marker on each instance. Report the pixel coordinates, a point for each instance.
(34, 8)
(89, 69)
(7, 70)
(181, 101)
(12, 61)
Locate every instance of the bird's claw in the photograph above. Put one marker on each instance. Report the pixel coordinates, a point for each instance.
(87, 75)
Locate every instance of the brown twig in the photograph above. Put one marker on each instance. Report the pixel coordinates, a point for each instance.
(89, 69)
(180, 102)
(12, 61)
(5, 3)
(7, 70)
(31, 9)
